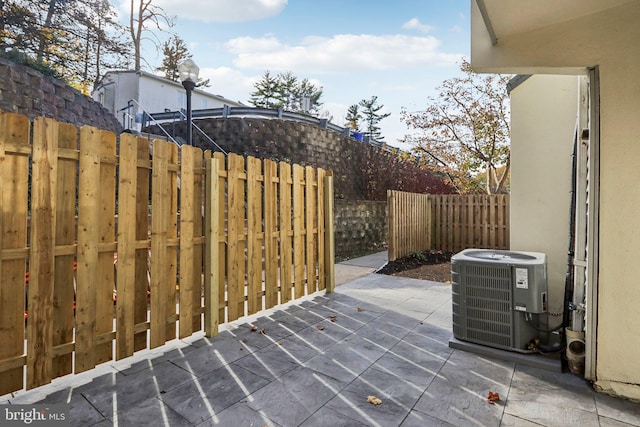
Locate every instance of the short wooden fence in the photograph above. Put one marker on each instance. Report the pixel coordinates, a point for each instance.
(446, 222)
(184, 226)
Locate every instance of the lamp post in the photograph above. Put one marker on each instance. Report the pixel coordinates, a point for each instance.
(188, 71)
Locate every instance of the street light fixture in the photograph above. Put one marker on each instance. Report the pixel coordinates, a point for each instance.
(188, 71)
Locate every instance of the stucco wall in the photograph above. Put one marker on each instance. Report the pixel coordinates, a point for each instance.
(610, 40)
(24, 90)
(544, 111)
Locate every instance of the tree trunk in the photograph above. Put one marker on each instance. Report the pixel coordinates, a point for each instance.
(45, 28)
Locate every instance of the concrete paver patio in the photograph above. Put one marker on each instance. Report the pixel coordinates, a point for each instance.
(315, 362)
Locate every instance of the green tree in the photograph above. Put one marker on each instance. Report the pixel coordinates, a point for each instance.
(286, 91)
(267, 92)
(175, 51)
(75, 39)
(353, 118)
(372, 116)
(464, 131)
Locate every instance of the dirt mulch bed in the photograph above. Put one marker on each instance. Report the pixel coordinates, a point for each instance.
(430, 265)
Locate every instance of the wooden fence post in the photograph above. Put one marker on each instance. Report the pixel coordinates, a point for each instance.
(391, 225)
(212, 247)
(329, 249)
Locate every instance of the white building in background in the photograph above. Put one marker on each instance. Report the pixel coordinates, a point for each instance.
(127, 94)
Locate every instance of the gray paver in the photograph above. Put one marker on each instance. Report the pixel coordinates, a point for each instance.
(396, 347)
(208, 395)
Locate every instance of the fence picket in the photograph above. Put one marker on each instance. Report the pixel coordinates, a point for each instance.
(88, 238)
(286, 232)
(64, 272)
(142, 241)
(222, 227)
(271, 222)
(446, 222)
(187, 230)
(320, 241)
(14, 174)
(310, 191)
(236, 238)
(270, 238)
(254, 235)
(105, 280)
(126, 266)
(160, 222)
(298, 231)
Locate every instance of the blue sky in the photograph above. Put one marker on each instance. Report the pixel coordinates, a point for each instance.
(398, 50)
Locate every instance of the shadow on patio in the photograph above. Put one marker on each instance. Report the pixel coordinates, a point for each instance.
(315, 362)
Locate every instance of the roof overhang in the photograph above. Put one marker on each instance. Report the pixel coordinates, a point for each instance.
(525, 36)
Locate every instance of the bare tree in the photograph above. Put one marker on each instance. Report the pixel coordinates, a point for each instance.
(144, 13)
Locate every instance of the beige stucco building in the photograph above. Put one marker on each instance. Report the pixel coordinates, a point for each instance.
(597, 42)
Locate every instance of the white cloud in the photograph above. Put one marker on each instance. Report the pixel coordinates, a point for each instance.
(339, 53)
(415, 24)
(229, 83)
(218, 10)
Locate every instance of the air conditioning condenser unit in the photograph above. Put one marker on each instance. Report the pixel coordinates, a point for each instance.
(496, 295)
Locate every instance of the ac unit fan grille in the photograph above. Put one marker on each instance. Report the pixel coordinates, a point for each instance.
(482, 304)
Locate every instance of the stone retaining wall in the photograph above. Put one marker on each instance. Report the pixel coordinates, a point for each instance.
(360, 227)
(24, 90)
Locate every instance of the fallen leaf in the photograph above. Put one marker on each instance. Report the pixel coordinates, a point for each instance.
(374, 400)
(332, 317)
(320, 327)
(245, 340)
(263, 331)
(360, 310)
(492, 398)
(254, 328)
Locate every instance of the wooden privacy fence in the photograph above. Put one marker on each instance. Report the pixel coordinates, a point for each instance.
(446, 222)
(72, 202)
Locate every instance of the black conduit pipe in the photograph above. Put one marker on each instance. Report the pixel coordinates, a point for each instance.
(568, 282)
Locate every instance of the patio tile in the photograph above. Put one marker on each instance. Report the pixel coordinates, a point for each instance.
(512, 421)
(381, 335)
(550, 414)
(272, 328)
(397, 396)
(458, 393)
(268, 365)
(417, 375)
(291, 349)
(428, 335)
(429, 346)
(80, 411)
(538, 386)
(150, 411)
(155, 359)
(341, 363)
(608, 422)
(418, 419)
(222, 351)
(618, 409)
(353, 352)
(295, 396)
(209, 395)
(252, 340)
(299, 320)
(328, 417)
(240, 414)
(122, 392)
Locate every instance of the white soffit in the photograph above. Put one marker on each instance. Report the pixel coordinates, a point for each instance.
(506, 17)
